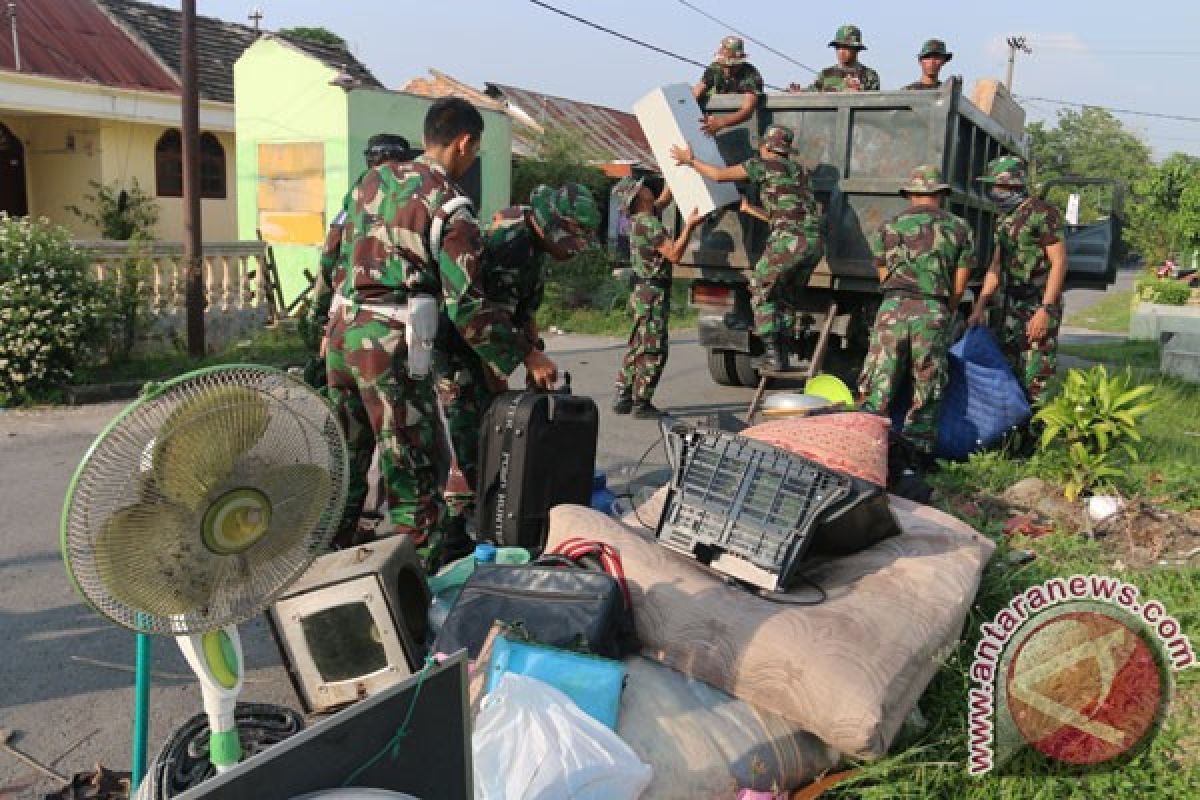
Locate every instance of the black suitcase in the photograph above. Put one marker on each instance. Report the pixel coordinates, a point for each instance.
(536, 450)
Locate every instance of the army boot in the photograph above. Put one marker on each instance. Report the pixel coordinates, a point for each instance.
(775, 353)
(623, 402)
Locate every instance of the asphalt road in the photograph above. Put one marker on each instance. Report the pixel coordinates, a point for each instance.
(66, 674)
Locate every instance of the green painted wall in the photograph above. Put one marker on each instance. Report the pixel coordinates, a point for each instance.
(283, 96)
(375, 111)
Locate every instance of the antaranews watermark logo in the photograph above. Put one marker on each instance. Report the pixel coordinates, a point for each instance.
(1078, 669)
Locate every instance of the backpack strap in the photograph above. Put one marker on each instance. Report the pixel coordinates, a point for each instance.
(440, 218)
(577, 549)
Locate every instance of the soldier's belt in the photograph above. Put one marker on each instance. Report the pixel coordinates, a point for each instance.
(660, 283)
(916, 295)
(419, 316)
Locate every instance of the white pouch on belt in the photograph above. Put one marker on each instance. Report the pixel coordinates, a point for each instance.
(420, 333)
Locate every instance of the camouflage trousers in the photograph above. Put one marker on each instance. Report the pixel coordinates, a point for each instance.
(1033, 363)
(909, 340)
(465, 391)
(781, 275)
(646, 356)
(377, 402)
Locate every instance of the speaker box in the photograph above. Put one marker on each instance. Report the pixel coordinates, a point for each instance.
(354, 624)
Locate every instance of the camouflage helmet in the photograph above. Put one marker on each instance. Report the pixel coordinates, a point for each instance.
(925, 179)
(848, 36)
(731, 52)
(567, 217)
(1005, 171)
(626, 189)
(778, 139)
(935, 47)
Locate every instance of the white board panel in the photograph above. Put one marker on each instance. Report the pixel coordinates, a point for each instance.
(669, 115)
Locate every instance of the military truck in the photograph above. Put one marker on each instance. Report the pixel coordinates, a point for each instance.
(859, 148)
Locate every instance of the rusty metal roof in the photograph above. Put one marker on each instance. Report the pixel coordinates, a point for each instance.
(74, 40)
(608, 134)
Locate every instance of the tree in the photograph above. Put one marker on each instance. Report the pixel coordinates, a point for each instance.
(318, 35)
(1170, 202)
(1093, 143)
(560, 156)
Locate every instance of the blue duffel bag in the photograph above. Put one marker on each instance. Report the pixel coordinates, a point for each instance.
(982, 402)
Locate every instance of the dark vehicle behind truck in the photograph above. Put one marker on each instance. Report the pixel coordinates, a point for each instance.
(858, 148)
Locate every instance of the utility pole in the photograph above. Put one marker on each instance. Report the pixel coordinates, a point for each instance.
(193, 260)
(1015, 43)
(12, 19)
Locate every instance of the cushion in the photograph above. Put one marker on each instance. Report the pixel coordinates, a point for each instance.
(855, 443)
(848, 670)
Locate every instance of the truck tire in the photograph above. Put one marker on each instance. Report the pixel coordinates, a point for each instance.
(720, 367)
(744, 369)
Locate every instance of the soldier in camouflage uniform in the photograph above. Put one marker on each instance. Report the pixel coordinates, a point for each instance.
(560, 223)
(414, 243)
(729, 73)
(924, 256)
(848, 75)
(1030, 261)
(933, 57)
(652, 254)
(794, 245)
(381, 148)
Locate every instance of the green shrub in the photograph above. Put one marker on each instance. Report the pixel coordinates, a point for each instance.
(53, 312)
(119, 213)
(584, 282)
(1163, 291)
(1091, 423)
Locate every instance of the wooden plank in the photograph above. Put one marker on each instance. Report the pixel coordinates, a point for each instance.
(292, 227)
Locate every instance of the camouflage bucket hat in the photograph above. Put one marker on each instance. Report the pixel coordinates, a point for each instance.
(778, 139)
(568, 216)
(1006, 171)
(625, 190)
(935, 47)
(925, 179)
(848, 36)
(731, 52)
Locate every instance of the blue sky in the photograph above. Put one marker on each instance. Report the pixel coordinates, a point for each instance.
(1139, 56)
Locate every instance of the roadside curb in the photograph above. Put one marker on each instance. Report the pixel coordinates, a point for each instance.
(87, 394)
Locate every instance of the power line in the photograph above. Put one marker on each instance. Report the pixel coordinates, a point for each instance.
(1064, 50)
(1176, 117)
(618, 34)
(629, 39)
(761, 44)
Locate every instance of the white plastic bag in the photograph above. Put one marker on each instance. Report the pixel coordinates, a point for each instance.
(532, 742)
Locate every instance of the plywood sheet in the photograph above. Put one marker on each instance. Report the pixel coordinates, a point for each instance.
(669, 115)
(292, 227)
(994, 99)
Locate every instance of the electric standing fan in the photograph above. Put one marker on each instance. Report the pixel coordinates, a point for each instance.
(193, 510)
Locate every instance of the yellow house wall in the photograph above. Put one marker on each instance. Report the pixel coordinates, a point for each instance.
(107, 151)
(55, 176)
(128, 155)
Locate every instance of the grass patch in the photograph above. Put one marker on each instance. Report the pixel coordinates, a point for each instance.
(1129, 353)
(933, 762)
(275, 347)
(608, 313)
(1110, 315)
